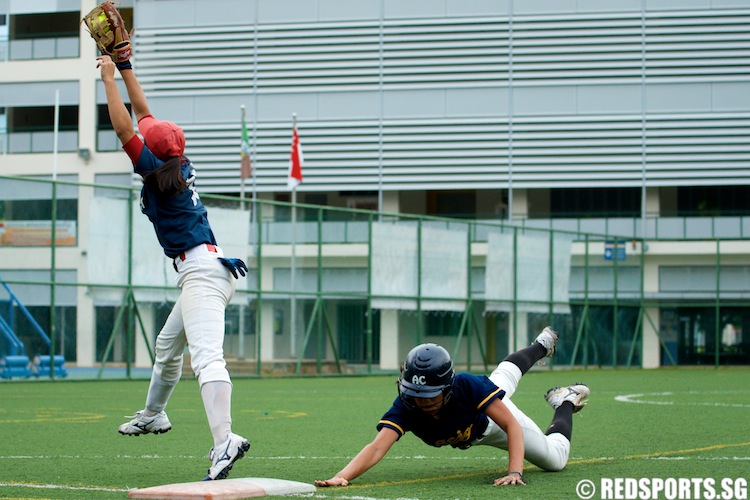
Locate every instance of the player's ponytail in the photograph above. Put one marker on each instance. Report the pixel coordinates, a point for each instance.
(166, 180)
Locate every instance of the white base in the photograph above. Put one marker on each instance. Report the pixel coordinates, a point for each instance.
(225, 489)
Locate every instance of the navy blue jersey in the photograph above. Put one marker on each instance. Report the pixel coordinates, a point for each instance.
(180, 221)
(461, 420)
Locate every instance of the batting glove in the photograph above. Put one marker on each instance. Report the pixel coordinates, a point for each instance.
(234, 265)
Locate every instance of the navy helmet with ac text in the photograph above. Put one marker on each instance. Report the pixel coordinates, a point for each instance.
(427, 373)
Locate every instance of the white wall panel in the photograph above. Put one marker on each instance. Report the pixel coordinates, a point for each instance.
(38, 94)
(279, 107)
(730, 97)
(482, 102)
(151, 14)
(349, 105)
(273, 11)
(675, 98)
(420, 99)
(677, 4)
(414, 104)
(609, 99)
(458, 8)
(545, 101)
(348, 10)
(398, 9)
(213, 13)
(522, 7)
(177, 109)
(597, 6)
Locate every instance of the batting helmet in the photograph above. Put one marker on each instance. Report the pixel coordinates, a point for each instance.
(427, 373)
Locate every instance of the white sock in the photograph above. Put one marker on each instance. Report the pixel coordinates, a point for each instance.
(158, 394)
(217, 400)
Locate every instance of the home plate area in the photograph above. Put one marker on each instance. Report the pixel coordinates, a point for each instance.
(226, 489)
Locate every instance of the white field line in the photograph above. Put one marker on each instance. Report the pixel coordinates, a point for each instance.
(290, 457)
(698, 458)
(316, 495)
(121, 490)
(61, 487)
(303, 457)
(346, 497)
(637, 398)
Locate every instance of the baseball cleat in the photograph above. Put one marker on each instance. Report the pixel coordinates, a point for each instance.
(141, 424)
(575, 393)
(548, 338)
(225, 455)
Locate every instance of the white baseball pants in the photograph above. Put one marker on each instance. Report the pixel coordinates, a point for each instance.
(547, 452)
(197, 319)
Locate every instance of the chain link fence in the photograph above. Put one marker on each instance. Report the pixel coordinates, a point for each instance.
(333, 290)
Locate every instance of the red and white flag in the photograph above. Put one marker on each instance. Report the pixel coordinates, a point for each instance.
(246, 167)
(295, 161)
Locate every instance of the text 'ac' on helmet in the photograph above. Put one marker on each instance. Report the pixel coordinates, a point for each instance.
(427, 373)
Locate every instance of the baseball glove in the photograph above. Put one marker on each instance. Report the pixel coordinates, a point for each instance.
(106, 27)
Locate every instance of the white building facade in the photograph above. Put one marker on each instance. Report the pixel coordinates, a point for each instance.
(625, 119)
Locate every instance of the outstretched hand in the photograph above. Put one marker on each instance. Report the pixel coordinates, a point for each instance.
(510, 479)
(234, 266)
(334, 481)
(107, 67)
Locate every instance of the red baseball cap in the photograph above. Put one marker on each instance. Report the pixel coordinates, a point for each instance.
(165, 139)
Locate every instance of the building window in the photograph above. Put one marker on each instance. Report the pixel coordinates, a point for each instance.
(707, 201)
(457, 204)
(48, 35)
(45, 25)
(595, 202)
(102, 116)
(30, 129)
(106, 139)
(282, 213)
(41, 118)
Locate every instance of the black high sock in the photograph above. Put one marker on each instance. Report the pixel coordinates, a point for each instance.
(562, 422)
(526, 357)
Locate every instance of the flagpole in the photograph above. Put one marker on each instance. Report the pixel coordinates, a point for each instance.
(293, 313)
(53, 243)
(242, 177)
(241, 322)
(253, 151)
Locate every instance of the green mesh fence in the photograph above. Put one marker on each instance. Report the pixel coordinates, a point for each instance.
(332, 290)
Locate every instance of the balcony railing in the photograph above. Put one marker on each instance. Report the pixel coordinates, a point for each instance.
(677, 228)
(352, 232)
(39, 48)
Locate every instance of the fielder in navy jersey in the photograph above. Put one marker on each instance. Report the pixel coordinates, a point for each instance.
(206, 278)
(461, 410)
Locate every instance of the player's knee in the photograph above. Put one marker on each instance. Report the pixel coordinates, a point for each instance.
(169, 370)
(555, 467)
(557, 461)
(212, 371)
(162, 347)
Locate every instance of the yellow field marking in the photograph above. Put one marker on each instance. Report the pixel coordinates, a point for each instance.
(532, 467)
(60, 487)
(660, 453)
(55, 415)
(274, 414)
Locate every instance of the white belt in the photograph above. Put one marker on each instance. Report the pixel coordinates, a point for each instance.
(203, 248)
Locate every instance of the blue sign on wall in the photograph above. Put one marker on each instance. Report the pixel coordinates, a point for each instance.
(612, 252)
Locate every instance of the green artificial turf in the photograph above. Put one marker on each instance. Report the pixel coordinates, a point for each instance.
(59, 439)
